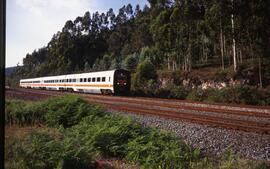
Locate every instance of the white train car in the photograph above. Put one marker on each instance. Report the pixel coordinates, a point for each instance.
(104, 82)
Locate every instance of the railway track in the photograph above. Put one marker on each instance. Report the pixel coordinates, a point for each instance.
(243, 118)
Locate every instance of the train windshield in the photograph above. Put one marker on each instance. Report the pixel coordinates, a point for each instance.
(122, 76)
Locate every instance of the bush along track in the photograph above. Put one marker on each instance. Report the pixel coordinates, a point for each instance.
(76, 133)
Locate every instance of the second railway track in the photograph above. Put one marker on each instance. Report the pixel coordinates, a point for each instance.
(244, 118)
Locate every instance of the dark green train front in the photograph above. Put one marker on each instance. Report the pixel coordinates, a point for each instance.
(121, 82)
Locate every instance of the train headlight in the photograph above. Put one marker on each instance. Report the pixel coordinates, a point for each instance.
(118, 83)
(125, 83)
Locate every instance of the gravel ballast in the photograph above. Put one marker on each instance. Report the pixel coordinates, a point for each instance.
(209, 140)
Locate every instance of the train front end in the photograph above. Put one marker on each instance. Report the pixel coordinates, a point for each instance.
(122, 82)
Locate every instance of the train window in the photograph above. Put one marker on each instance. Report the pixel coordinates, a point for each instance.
(81, 80)
(98, 79)
(103, 79)
(73, 80)
(109, 79)
(89, 79)
(93, 79)
(85, 79)
(69, 80)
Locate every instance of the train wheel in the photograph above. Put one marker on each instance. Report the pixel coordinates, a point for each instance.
(102, 92)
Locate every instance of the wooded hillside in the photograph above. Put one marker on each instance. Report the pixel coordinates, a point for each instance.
(171, 34)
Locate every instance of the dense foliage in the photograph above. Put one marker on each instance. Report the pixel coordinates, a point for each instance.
(63, 111)
(94, 134)
(172, 34)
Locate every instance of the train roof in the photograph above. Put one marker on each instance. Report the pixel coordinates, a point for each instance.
(99, 73)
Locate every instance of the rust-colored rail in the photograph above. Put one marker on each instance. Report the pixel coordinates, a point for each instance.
(155, 107)
(182, 107)
(201, 119)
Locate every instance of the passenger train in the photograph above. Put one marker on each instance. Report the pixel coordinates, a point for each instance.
(104, 82)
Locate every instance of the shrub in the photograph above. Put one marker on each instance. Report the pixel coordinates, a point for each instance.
(45, 149)
(213, 95)
(162, 92)
(172, 91)
(23, 113)
(158, 150)
(178, 92)
(66, 111)
(239, 94)
(197, 95)
(115, 136)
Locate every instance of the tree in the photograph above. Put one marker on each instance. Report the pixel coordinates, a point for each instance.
(233, 38)
(131, 62)
(145, 72)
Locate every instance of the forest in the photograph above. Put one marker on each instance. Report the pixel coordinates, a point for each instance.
(230, 38)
